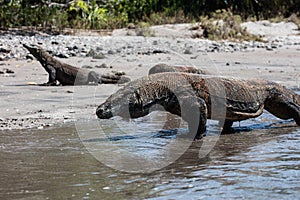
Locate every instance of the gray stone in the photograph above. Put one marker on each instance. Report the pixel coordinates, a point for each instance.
(102, 66)
(111, 52)
(187, 51)
(99, 56)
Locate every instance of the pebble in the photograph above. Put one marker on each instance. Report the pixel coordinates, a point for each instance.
(101, 66)
(4, 50)
(99, 56)
(187, 51)
(269, 48)
(111, 52)
(29, 57)
(87, 67)
(62, 55)
(55, 43)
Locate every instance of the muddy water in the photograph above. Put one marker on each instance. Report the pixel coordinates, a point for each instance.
(257, 162)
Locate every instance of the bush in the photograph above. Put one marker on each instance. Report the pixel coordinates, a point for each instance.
(224, 25)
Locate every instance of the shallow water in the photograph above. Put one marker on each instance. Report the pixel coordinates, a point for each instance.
(259, 161)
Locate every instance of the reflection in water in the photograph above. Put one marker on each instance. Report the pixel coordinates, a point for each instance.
(53, 164)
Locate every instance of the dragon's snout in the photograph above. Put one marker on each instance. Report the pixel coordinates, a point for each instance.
(31, 47)
(104, 112)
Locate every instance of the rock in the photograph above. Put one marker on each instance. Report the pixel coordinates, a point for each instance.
(111, 52)
(4, 50)
(129, 47)
(156, 51)
(102, 66)
(72, 53)
(9, 71)
(67, 117)
(87, 67)
(72, 48)
(29, 57)
(99, 56)
(62, 55)
(187, 51)
(83, 50)
(99, 48)
(54, 43)
(95, 55)
(119, 73)
(274, 46)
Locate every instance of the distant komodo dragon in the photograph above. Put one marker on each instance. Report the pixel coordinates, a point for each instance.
(162, 68)
(67, 74)
(196, 98)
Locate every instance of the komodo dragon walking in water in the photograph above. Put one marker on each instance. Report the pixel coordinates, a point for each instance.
(67, 74)
(195, 98)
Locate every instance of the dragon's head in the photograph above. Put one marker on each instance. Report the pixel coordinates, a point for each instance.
(35, 50)
(126, 103)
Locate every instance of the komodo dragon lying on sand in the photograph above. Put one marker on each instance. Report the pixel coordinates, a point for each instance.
(161, 68)
(197, 98)
(67, 74)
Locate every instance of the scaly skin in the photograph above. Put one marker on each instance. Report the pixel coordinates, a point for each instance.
(161, 68)
(197, 98)
(67, 74)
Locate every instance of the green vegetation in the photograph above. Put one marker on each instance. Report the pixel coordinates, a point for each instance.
(110, 14)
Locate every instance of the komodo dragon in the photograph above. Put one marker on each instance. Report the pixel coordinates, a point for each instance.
(67, 74)
(197, 98)
(161, 68)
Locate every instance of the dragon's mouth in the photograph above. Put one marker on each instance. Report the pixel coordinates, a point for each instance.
(29, 47)
(33, 49)
(103, 113)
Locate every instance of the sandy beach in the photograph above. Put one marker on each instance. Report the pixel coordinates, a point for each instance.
(25, 105)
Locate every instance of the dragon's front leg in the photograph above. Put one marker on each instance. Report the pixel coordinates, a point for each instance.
(283, 103)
